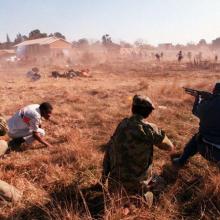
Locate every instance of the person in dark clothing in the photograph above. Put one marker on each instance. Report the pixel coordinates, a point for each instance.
(180, 56)
(207, 140)
(157, 55)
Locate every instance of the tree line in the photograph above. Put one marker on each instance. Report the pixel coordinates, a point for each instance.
(35, 34)
(105, 41)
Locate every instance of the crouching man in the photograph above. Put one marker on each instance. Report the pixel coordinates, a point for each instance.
(25, 125)
(129, 155)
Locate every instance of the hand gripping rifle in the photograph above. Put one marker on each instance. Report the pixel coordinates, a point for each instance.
(195, 93)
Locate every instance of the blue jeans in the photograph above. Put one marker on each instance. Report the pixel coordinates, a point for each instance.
(196, 145)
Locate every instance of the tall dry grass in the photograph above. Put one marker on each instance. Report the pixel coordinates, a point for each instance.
(61, 182)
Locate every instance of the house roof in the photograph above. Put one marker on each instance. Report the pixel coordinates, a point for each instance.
(41, 41)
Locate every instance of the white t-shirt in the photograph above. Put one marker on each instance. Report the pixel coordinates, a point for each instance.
(27, 118)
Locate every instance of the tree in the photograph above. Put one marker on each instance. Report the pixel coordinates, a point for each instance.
(109, 45)
(82, 43)
(139, 43)
(24, 37)
(106, 40)
(8, 43)
(59, 35)
(18, 38)
(8, 39)
(202, 42)
(36, 34)
(216, 43)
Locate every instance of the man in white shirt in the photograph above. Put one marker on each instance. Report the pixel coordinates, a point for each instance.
(25, 125)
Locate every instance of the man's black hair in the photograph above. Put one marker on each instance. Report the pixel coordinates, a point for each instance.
(46, 107)
(140, 110)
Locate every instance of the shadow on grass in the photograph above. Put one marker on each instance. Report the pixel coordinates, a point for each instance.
(75, 202)
(69, 200)
(190, 198)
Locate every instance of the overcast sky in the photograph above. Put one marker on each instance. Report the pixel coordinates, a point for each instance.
(155, 21)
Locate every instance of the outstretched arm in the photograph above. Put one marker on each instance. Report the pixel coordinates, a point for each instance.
(166, 144)
(40, 139)
(160, 139)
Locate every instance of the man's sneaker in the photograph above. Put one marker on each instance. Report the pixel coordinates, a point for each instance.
(15, 144)
(3, 147)
(149, 197)
(177, 162)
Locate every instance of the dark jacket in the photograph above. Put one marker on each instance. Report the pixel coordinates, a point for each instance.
(208, 111)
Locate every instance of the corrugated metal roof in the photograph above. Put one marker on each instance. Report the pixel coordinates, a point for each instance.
(41, 41)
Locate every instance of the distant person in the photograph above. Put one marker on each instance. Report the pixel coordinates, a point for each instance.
(34, 74)
(207, 140)
(216, 58)
(128, 159)
(157, 55)
(31, 72)
(180, 56)
(25, 125)
(161, 55)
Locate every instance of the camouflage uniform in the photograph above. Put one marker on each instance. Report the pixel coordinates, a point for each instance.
(3, 127)
(129, 155)
(3, 132)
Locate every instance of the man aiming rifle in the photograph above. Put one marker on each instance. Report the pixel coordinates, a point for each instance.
(207, 141)
(195, 93)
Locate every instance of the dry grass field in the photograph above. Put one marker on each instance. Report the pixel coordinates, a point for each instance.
(60, 182)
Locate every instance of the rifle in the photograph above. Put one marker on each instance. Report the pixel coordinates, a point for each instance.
(195, 93)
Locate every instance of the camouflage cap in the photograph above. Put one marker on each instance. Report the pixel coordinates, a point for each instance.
(3, 126)
(217, 87)
(143, 101)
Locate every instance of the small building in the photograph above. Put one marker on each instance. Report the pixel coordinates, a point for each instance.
(48, 46)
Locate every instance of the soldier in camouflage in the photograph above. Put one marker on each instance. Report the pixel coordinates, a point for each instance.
(3, 132)
(128, 157)
(3, 126)
(7, 191)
